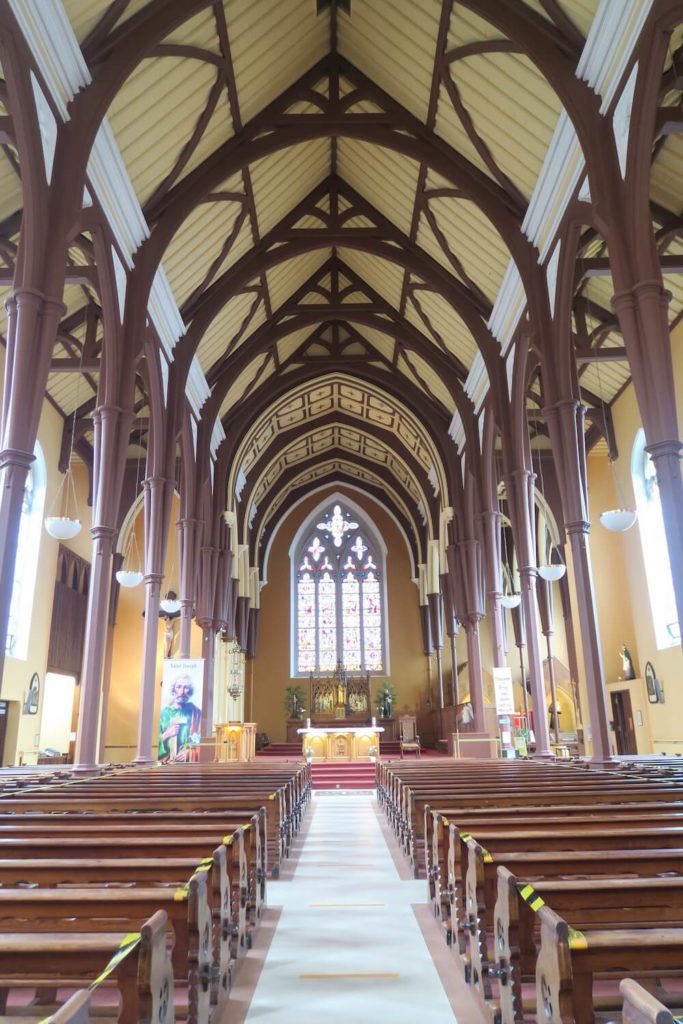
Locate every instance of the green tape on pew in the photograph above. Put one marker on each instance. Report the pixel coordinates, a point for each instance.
(576, 939)
(530, 896)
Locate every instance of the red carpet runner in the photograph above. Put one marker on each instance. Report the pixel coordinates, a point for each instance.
(344, 776)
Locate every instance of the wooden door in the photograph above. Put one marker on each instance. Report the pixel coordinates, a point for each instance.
(623, 722)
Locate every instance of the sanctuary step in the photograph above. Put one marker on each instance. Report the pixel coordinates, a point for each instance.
(354, 775)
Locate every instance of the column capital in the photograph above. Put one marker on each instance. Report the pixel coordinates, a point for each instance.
(154, 577)
(103, 531)
(650, 288)
(578, 526)
(665, 449)
(16, 457)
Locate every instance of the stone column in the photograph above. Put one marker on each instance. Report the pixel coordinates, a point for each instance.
(518, 484)
(148, 681)
(436, 624)
(32, 322)
(187, 548)
(208, 652)
(494, 586)
(475, 672)
(87, 746)
(112, 430)
(565, 425)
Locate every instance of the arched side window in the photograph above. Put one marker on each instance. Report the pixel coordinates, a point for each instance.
(26, 567)
(339, 607)
(655, 551)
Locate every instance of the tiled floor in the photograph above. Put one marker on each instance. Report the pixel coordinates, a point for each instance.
(348, 945)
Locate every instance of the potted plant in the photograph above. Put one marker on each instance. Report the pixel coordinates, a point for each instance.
(294, 705)
(385, 699)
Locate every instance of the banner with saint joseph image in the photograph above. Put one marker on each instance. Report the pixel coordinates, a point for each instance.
(180, 719)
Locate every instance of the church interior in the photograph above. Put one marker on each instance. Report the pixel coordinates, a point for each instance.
(341, 510)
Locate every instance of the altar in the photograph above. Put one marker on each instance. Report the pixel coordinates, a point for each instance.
(343, 743)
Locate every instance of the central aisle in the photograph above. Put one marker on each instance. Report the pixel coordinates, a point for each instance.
(347, 945)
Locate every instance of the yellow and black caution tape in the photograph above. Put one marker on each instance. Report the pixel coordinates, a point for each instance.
(576, 939)
(181, 894)
(444, 821)
(488, 857)
(530, 896)
(127, 944)
(465, 836)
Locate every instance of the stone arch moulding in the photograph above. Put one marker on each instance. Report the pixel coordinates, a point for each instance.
(378, 541)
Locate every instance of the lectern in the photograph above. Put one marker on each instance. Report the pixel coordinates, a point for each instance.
(236, 741)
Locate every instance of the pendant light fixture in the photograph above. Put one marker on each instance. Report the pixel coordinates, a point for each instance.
(130, 574)
(548, 571)
(617, 520)
(68, 525)
(170, 605)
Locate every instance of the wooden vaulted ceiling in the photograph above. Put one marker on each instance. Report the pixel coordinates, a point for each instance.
(336, 259)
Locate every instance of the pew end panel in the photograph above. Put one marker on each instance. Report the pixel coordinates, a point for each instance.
(155, 973)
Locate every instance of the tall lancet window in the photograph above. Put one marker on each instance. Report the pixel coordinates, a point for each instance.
(655, 550)
(340, 598)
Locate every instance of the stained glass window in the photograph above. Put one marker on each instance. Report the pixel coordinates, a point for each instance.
(339, 597)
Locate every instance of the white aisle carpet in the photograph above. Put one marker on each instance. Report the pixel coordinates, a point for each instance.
(347, 947)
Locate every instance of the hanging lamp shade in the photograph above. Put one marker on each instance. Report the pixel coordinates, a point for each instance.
(551, 573)
(62, 527)
(128, 577)
(511, 600)
(170, 605)
(618, 520)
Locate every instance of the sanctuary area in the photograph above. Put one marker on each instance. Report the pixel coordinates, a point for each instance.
(341, 511)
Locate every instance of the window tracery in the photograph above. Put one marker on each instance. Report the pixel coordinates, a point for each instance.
(339, 597)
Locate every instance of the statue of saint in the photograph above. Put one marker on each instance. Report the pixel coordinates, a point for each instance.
(628, 671)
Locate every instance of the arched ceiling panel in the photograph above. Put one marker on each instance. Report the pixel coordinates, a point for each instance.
(154, 115)
(287, 346)
(282, 180)
(485, 105)
(285, 278)
(228, 330)
(328, 439)
(384, 39)
(368, 169)
(437, 319)
(327, 396)
(272, 45)
(84, 15)
(456, 226)
(198, 253)
(416, 369)
(384, 277)
(257, 372)
(579, 12)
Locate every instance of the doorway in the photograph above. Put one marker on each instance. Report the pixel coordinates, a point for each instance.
(624, 732)
(58, 702)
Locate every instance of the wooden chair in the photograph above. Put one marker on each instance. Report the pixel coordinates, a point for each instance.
(408, 734)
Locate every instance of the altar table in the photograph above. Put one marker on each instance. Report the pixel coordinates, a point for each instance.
(358, 743)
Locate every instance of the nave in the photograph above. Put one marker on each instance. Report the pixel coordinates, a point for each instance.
(352, 935)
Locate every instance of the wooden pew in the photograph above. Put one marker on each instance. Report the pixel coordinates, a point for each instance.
(640, 1007)
(585, 903)
(137, 963)
(196, 947)
(569, 960)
